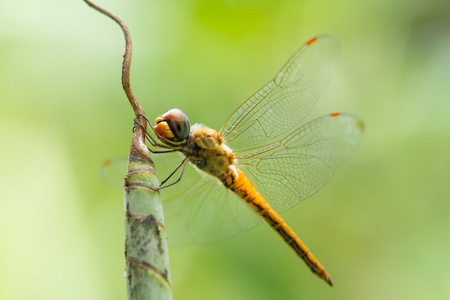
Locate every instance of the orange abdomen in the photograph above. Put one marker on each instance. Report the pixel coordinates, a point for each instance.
(242, 187)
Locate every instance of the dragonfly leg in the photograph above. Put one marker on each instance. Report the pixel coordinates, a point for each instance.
(183, 163)
(148, 137)
(151, 140)
(168, 144)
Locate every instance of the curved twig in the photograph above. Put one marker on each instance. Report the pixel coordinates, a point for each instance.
(146, 253)
(137, 108)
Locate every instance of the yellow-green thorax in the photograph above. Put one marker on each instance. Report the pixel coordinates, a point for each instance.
(207, 151)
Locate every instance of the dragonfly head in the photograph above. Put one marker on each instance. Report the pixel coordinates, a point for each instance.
(173, 125)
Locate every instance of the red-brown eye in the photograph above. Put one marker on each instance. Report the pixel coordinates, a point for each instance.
(178, 123)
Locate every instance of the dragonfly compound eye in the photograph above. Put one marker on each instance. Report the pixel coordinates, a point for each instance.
(178, 123)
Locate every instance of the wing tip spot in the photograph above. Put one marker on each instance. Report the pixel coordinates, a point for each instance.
(311, 41)
(106, 163)
(361, 125)
(335, 115)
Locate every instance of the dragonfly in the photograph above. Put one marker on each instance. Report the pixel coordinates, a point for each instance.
(263, 160)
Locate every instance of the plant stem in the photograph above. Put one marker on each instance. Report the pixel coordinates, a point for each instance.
(146, 253)
(147, 259)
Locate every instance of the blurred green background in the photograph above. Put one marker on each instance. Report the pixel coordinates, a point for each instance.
(381, 226)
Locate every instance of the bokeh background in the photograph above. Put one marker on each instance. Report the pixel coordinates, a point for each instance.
(381, 226)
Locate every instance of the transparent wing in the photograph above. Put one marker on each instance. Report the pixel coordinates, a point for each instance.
(198, 209)
(279, 107)
(297, 166)
(112, 171)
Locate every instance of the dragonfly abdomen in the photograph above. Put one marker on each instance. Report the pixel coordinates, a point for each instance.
(241, 186)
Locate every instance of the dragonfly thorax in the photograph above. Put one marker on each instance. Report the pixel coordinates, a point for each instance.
(208, 152)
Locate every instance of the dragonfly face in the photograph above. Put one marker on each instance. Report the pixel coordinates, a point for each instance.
(173, 125)
(276, 161)
(203, 147)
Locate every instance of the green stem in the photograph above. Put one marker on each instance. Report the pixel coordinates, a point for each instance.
(147, 259)
(146, 254)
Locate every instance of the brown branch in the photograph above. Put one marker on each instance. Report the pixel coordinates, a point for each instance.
(137, 108)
